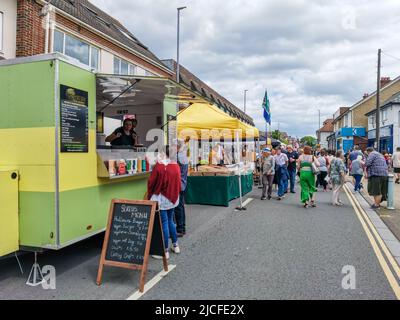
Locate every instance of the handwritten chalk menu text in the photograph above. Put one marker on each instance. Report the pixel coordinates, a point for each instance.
(73, 119)
(128, 234)
(133, 233)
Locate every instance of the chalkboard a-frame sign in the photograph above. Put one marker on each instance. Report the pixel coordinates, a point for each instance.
(133, 233)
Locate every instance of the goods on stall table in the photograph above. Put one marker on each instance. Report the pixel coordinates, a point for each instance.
(123, 167)
(214, 170)
(211, 170)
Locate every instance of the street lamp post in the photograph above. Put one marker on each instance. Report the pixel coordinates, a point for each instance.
(177, 46)
(245, 96)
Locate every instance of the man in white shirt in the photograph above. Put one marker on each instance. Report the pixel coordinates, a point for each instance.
(281, 158)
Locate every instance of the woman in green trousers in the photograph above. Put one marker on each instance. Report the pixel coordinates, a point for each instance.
(307, 177)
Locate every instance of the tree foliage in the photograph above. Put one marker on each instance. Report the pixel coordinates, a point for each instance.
(309, 141)
(278, 136)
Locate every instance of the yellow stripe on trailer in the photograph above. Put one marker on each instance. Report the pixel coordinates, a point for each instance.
(9, 233)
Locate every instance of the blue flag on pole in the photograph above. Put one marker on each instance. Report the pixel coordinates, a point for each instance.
(267, 111)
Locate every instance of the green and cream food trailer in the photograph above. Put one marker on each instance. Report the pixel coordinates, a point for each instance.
(55, 186)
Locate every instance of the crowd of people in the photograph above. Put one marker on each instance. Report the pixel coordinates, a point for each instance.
(281, 168)
(326, 169)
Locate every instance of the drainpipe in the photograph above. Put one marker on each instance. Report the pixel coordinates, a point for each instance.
(48, 25)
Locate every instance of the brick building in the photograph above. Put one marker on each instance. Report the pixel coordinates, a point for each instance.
(351, 125)
(82, 31)
(77, 29)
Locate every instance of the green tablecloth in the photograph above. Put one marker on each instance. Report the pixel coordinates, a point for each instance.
(217, 190)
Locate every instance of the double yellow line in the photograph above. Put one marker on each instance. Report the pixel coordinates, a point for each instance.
(375, 239)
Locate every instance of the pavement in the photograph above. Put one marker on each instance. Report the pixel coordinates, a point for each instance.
(274, 250)
(390, 217)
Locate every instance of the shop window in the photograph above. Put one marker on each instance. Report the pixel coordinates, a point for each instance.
(1, 31)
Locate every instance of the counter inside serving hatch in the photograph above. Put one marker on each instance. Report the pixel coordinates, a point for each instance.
(118, 163)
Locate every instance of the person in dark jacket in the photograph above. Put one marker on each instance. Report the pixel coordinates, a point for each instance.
(293, 156)
(180, 215)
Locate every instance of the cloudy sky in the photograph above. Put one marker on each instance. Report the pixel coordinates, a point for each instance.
(309, 55)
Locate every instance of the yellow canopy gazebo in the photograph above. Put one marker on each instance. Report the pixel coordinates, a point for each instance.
(202, 121)
(206, 121)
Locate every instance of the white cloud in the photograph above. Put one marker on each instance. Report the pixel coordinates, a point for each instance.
(310, 54)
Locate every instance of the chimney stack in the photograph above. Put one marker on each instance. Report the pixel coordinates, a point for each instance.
(366, 95)
(385, 81)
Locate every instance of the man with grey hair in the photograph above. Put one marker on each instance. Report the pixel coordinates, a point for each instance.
(377, 170)
(180, 214)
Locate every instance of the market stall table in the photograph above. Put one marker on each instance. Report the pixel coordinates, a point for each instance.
(223, 190)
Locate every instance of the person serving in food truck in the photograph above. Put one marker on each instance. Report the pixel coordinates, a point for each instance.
(125, 135)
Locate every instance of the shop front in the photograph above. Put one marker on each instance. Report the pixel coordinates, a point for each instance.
(347, 138)
(385, 141)
(54, 119)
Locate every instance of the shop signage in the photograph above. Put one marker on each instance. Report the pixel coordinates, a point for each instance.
(73, 119)
(351, 132)
(133, 233)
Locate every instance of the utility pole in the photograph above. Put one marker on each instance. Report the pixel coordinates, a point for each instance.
(378, 103)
